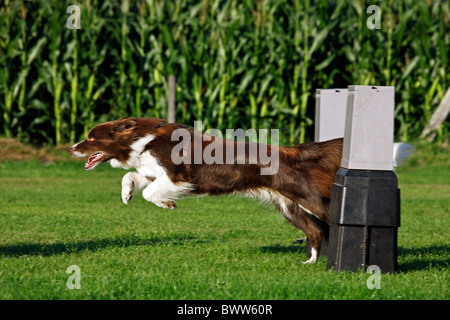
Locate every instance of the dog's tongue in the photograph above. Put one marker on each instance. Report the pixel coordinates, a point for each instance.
(92, 160)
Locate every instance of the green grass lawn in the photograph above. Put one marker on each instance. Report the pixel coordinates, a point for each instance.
(57, 215)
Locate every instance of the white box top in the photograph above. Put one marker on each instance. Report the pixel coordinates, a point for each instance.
(369, 128)
(331, 105)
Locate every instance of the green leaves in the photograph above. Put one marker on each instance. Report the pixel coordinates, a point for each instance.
(237, 63)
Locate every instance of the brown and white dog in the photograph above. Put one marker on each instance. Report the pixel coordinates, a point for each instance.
(300, 188)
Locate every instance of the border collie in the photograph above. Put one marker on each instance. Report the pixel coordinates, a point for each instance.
(166, 169)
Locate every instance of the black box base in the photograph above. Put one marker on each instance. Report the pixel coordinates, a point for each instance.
(364, 217)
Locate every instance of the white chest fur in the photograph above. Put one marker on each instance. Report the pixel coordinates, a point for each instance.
(162, 191)
(148, 166)
(144, 162)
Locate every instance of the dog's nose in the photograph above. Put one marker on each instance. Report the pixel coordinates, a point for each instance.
(71, 149)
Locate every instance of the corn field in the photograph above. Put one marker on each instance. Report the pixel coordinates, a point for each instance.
(248, 64)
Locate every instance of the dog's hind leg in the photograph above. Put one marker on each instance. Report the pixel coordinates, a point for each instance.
(302, 219)
(133, 182)
(313, 231)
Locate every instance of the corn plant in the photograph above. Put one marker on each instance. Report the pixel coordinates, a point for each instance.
(237, 63)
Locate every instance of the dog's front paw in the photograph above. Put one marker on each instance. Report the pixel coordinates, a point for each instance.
(127, 188)
(166, 204)
(170, 204)
(127, 196)
(127, 192)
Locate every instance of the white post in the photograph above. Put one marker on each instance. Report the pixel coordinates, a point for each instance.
(365, 200)
(331, 105)
(369, 128)
(172, 97)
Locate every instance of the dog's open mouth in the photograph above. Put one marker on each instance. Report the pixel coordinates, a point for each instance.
(94, 161)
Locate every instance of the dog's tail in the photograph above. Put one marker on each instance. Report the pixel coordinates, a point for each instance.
(401, 152)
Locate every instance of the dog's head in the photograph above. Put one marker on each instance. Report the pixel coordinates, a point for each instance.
(112, 140)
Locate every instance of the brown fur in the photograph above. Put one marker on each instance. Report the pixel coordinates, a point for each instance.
(305, 176)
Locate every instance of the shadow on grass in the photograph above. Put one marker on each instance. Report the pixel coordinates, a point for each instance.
(414, 259)
(283, 249)
(38, 249)
(424, 257)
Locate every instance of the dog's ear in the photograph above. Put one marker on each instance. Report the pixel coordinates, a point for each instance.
(125, 126)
